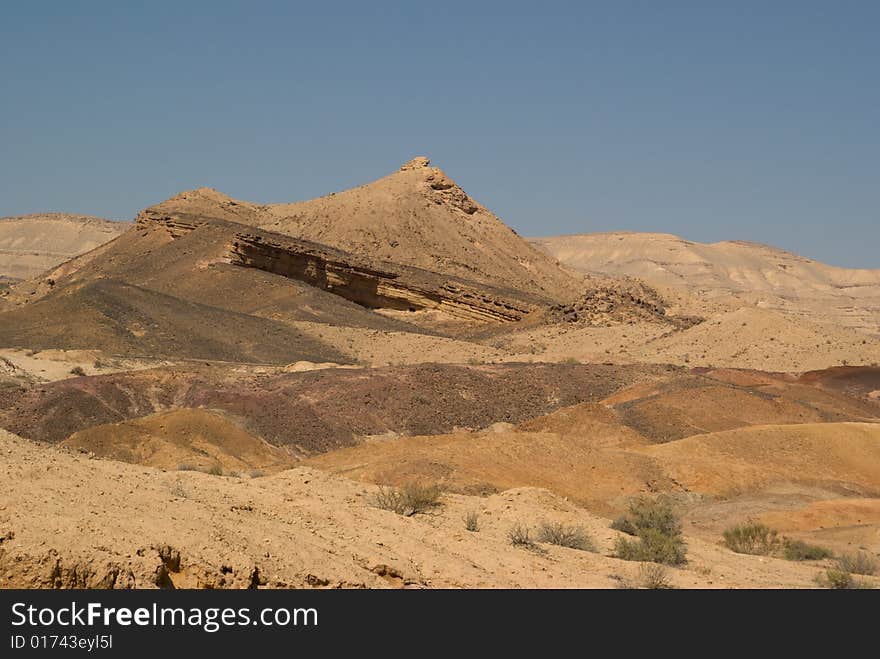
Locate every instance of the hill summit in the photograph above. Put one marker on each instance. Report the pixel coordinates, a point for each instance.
(417, 216)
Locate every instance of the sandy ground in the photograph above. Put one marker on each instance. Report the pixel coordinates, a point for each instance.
(53, 365)
(744, 338)
(67, 520)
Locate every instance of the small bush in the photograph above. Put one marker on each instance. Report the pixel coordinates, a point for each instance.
(657, 532)
(797, 550)
(647, 513)
(215, 470)
(411, 499)
(520, 536)
(573, 537)
(77, 370)
(840, 580)
(99, 364)
(628, 550)
(652, 546)
(653, 577)
(751, 538)
(472, 522)
(624, 525)
(860, 562)
(186, 467)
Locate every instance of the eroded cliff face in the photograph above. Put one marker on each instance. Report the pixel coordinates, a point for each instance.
(375, 285)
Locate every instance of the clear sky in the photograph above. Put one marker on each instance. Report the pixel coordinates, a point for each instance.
(750, 120)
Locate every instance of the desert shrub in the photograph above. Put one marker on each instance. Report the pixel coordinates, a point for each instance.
(98, 364)
(624, 525)
(574, 537)
(520, 536)
(797, 550)
(628, 550)
(411, 499)
(840, 580)
(186, 467)
(472, 522)
(653, 576)
(657, 531)
(215, 470)
(77, 370)
(751, 538)
(652, 546)
(647, 513)
(860, 562)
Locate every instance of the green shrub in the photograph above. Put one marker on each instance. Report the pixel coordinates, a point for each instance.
(860, 562)
(752, 538)
(624, 525)
(797, 550)
(647, 513)
(652, 546)
(410, 499)
(574, 537)
(840, 580)
(657, 531)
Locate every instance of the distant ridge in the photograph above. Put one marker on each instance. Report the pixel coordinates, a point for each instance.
(31, 244)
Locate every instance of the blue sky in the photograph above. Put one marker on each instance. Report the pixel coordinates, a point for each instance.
(712, 120)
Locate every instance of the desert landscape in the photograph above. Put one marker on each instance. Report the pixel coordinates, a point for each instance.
(388, 387)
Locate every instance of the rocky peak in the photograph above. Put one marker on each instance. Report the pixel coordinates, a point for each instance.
(419, 162)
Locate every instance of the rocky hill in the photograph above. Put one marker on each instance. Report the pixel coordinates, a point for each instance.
(417, 216)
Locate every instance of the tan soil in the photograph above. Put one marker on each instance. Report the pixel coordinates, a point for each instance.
(98, 523)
